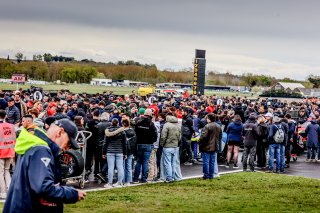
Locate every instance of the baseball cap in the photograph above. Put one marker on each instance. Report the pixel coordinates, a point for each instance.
(71, 129)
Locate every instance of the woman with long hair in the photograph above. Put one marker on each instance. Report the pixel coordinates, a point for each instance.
(115, 151)
(234, 131)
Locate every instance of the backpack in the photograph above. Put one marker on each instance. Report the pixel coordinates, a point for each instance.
(279, 136)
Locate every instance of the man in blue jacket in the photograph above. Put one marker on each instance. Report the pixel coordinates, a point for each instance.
(35, 185)
(277, 137)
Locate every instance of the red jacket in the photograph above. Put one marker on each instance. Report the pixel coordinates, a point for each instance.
(155, 109)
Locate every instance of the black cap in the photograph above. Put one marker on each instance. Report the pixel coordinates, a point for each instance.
(71, 129)
(10, 99)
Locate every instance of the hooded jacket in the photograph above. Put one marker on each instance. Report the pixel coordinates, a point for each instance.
(250, 132)
(312, 131)
(234, 131)
(210, 138)
(115, 141)
(34, 186)
(171, 133)
(146, 131)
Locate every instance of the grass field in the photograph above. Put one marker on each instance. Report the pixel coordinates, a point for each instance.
(241, 192)
(80, 88)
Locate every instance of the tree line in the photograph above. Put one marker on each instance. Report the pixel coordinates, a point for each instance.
(52, 68)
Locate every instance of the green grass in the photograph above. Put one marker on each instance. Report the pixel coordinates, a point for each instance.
(241, 192)
(79, 88)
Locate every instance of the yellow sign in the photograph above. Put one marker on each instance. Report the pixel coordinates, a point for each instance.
(195, 76)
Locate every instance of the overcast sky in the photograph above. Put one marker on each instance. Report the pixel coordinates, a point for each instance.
(280, 38)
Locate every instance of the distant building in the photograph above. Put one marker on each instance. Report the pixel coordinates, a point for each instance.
(308, 92)
(101, 82)
(286, 86)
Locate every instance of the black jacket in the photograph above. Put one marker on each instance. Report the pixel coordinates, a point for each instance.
(250, 133)
(102, 126)
(187, 127)
(115, 141)
(146, 131)
(92, 127)
(131, 143)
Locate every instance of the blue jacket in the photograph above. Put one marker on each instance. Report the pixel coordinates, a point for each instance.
(34, 183)
(312, 131)
(272, 131)
(234, 131)
(72, 113)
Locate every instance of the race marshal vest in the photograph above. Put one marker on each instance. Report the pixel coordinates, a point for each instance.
(7, 140)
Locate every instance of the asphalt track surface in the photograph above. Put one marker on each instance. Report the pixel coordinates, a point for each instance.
(297, 168)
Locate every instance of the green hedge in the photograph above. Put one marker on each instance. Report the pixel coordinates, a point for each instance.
(280, 93)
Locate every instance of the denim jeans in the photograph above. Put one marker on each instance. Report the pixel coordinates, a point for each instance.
(115, 158)
(128, 169)
(274, 149)
(171, 164)
(216, 167)
(311, 154)
(319, 151)
(143, 156)
(209, 159)
(282, 157)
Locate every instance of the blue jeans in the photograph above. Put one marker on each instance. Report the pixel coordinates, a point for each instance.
(282, 157)
(319, 151)
(171, 163)
(209, 159)
(216, 168)
(128, 169)
(115, 158)
(274, 149)
(143, 156)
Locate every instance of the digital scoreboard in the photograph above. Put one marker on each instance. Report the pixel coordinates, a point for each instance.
(199, 72)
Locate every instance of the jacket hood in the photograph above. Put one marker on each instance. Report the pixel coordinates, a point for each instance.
(26, 140)
(172, 119)
(113, 131)
(238, 123)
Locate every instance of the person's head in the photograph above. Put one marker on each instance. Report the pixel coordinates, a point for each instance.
(96, 114)
(102, 104)
(74, 105)
(148, 112)
(261, 120)
(184, 111)
(211, 118)
(125, 122)
(17, 97)
(288, 116)
(162, 117)
(2, 114)
(105, 116)
(79, 121)
(115, 122)
(33, 112)
(27, 121)
(63, 132)
(276, 119)
(237, 118)
(10, 102)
